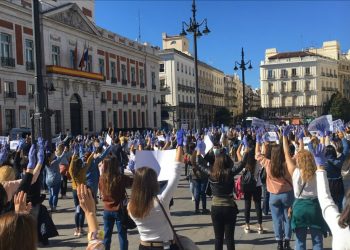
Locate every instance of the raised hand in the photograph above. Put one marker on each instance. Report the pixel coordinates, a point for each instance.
(321, 129)
(20, 145)
(300, 134)
(31, 157)
(180, 137)
(41, 143)
(20, 201)
(86, 200)
(318, 154)
(245, 141)
(287, 130)
(41, 155)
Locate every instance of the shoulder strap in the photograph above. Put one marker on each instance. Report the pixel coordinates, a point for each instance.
(177, 240)
(302, 189)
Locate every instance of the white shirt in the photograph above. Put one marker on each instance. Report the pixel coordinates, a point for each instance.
(341, 236)
(310, 189)
(155, 227)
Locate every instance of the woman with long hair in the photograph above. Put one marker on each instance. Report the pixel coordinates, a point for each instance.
(145, 203)
(112, 186)
(279, 184)
(252, 190)
(337, 222)
(77, 170)
(224, 209)
(306, 209)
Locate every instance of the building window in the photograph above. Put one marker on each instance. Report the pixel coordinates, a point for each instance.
(112, 69)
(307, 71)
(182, 67)
(161, 67)
(155, 119)
(91, 120)
(284, 73)
(134, 124)
(31, 89)
(153, 80)
(269, 74)
(58, 122)
(307, 85)
(89, 64)
(6, 45)
(189, 70)
(123, 67)
(294, 72)
(177, 66)
(29, 54)
(55, 55)
(185, 69)
(141, 76)
(103, 120)
(125, 114)
(115, 119)
(101, 65)
(294, 86)
(10, 119)
(133, 77)
(283, 87)
(72, 58)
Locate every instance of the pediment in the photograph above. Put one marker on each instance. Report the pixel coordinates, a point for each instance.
(72, 15)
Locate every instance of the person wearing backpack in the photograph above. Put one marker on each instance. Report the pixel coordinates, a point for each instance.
(251, 184)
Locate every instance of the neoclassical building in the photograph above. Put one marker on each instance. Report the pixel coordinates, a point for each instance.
(118, 84)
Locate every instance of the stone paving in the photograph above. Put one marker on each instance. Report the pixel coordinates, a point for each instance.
(197, 227)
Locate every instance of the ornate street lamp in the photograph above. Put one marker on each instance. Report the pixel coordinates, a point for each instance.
(193, 27)
(242, 65)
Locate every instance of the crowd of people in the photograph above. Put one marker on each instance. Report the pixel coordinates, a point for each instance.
(296, 175)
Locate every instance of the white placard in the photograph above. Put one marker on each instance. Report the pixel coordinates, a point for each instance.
(337, 124)
(14, 144)
(272, 137)
(184, 126)
(256, 122)
(158, 160)
(4, 139)
(161, 138)
(325, 120)
(108, 140)
(208, 144)
(306, 140)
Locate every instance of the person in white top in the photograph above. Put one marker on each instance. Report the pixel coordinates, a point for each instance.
(144, 208)
(306, 211)
(337, 222)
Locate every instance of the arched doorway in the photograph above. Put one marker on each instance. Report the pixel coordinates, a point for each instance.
(75, 114)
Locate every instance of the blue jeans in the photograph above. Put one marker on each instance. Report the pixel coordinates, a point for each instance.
(199, 186)
(316, 236)
(279, 204)
(79, 213)
(53, 198)
(109, 217)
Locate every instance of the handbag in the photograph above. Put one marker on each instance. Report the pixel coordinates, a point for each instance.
(208, 190)
(125, 218)
(182, 242)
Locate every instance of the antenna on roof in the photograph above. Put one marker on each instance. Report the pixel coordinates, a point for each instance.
(139, 37)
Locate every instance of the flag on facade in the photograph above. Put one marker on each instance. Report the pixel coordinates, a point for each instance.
(84, 59)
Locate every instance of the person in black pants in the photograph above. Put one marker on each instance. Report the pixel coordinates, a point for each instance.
(224, 209)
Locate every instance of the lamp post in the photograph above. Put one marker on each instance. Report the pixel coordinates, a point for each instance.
(193, 27)
(41, 122)
(242, 65)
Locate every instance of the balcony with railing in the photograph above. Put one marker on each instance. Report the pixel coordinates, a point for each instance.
(29, 65)
(31, 95)
(143, 103)
(114, 79)
(124, 82)
(133, 84)
(142, 85)
(10, 94)
(114, 101)
(8, 62)
(103, 100)
(154, 86)
(134, 103)
(329, 89)
(125, 102)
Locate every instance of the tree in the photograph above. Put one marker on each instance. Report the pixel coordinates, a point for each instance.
(223, 116)
(339, 107)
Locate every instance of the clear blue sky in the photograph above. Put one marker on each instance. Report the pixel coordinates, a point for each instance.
(255, 25)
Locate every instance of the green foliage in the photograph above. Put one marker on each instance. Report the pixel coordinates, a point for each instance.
(339, 107)
(223, 116)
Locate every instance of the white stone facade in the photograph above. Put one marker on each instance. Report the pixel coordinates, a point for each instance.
(119, 88)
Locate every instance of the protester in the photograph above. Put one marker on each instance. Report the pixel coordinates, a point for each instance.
(306, 211)
(224, 209)
(112, 186)
(251, 189)
(337, 222)
(279, 184)
(145, 203)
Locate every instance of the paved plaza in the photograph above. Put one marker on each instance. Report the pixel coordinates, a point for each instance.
(197, 227)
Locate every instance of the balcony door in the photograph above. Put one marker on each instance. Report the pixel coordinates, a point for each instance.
(75, 115)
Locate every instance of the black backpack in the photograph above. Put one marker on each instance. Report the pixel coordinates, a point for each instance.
(248, 182)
